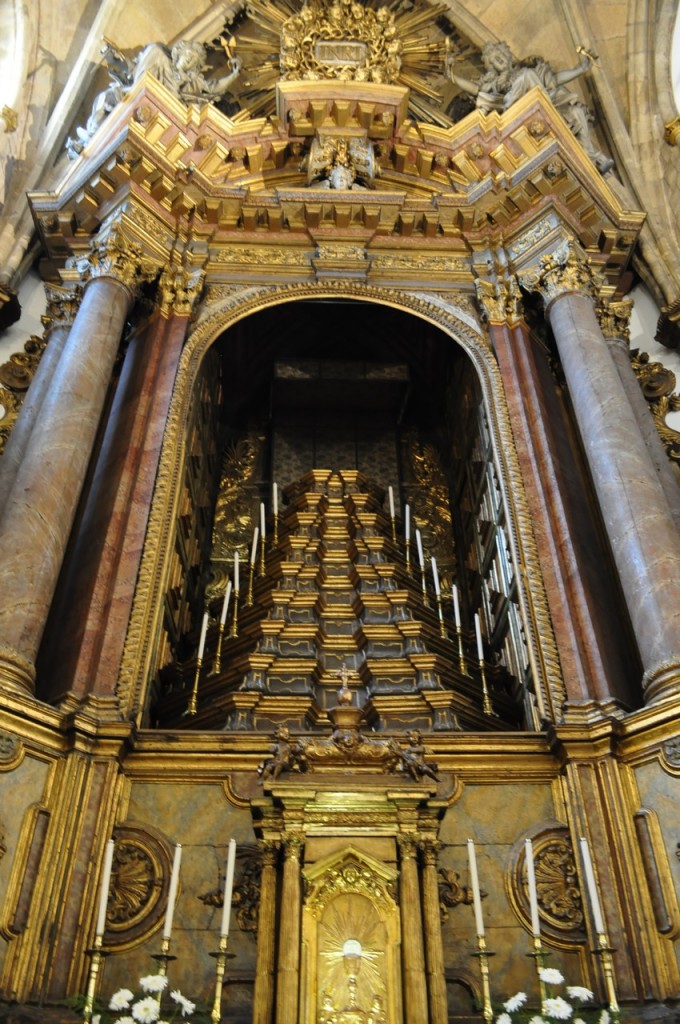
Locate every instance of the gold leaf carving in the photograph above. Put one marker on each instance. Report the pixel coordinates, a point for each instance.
(133, 885)
(658, 387)
(236, 501)
(557, 887)
(261, 255)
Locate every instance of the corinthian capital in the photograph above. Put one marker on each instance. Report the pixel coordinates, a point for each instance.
(500, 299)
(179, 290)
(566, 269)
(114, 255)
(614, 318)
(62, 305)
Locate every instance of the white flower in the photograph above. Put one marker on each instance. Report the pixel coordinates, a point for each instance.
(153, 982)
(504, 1018)
(186, 1006)
(579, 1020)
(557, 1007)
(121, 999)
(96, 1019)
(147, 1011)
(604, 1018)
(515, 1003)
(536, 1020)
(550, 975)
(578, 992)
(125, 1020)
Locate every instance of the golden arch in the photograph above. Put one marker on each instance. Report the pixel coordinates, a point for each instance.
(223, 311)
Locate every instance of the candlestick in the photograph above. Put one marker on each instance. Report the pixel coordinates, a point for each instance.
(456, 606)
(253, 550)
(217, 665)
(220, 956)
(459, 631)
(251, 567)
(435, 576)
(104, 891)
(172, 893)
(487, 706)
(228, 887)
(539, 956)
(591, 884)
(483, 955)
(263, 534)
(390, 492)
(236, 572)
(234, 618)
(421, 559)
(474, 885)
(478, 632)
(407, 535)
(192, 706)
(604, 952)
(97, 954)
(275, 510)
(164, 957)
(438, 595)
(531, 881)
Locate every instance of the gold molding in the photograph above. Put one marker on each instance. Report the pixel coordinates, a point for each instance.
(137, 665)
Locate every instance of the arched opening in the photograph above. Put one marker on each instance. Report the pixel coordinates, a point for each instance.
(337, 402)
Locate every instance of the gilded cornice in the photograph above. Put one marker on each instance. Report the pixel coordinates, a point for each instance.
(137, 664)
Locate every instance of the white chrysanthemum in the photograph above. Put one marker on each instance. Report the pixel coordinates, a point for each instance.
(515, 1002)
(557, 1007)
(96, 1018)
(503, 1018)
(579, 992)
(121, 999)
(147, 1011)
(579, 1020)
(186, 1006)
(536, 1020)
(125, 1020)
(604, 1018)
(550, 975)
(153, 982)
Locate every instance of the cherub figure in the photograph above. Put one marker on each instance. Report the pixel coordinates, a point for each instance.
(506, 79)
(286, 756)
(413, 760)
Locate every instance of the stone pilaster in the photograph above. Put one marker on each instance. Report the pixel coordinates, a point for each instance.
(636, 514)
(412, 951)
(288, 974)
(434, 946)
(263, 1001)
(40, 508)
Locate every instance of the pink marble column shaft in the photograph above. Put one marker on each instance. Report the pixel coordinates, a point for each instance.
(41, 505)
(637, 518)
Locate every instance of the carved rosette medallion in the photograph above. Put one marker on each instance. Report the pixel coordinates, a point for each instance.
(560, 905)
(11, 751)
(140, 876)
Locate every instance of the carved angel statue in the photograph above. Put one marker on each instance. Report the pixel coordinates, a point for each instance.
(182, 69)
(341, 163)
(506, 80)
(412, 758)
(287, 755)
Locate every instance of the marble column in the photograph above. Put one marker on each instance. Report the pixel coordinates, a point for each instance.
(412, 952)
(41, 505)
(288, 974)
(263, 1001)
(434, 946)
(614, 321)
(62, 306)
(644, 541)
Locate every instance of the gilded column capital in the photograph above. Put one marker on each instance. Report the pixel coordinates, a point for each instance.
(614, 318)
(408, 846)
(63, 304)
(269, 849)
(116, 256)
(292, 844)
(500, 299)
(179, 290)
(430, 849)
(564, 270)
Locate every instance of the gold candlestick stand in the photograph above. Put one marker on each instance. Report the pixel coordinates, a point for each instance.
(98, 954)
(251, 577)
(423, 584)
(217, 664)
(408, 555)
(539, 955)
(483, 955)
(394, 529)
(461, 654)
(604, 951)
(192, 706)
(276, 530)
(440, 613)
(234, 621)
(487, 706)
(262, 557)
(164, 957)
(221, 955)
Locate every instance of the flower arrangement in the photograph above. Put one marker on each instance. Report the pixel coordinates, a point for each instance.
(147, 1008)
(554, 1007)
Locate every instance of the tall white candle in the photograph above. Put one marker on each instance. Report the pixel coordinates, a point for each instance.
(474, 882)
(533, 896)
(204, 630)
(435, 577)
(419, 544)
(598, 920)
(407, 522)
(390, 492)
(253, 550)
(172, 894)
(236, 572)
(275, 498)
(263, 525)
(225, 604)
(456, 606)
(228, 887)
(478, 631)
(104, 891)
